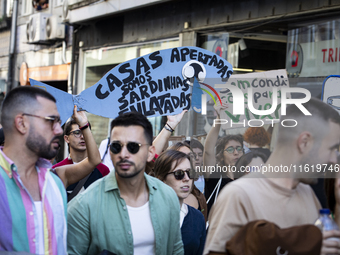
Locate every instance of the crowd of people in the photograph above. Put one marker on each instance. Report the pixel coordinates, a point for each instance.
(137, 195)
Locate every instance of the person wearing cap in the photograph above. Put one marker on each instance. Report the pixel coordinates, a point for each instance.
(282, 197)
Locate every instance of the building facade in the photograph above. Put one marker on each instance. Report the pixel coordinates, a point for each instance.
(253, 35)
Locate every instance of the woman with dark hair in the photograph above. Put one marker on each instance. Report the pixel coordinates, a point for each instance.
(196, 198)
(175, 169)
(257, 138)
(230, 158)
(219, 154)
(249, 162)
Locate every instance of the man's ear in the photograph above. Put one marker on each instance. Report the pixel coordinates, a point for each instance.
(21, 124)
(151, 153)
(305, 142)
(66, 138)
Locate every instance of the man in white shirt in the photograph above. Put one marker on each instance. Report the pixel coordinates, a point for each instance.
(126, 212)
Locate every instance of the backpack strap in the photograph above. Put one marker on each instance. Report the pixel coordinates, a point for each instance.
(76, 190)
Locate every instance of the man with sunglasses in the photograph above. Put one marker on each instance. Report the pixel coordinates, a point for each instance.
(74, 138)
(33, 200)
(279, 193)
(128, 211)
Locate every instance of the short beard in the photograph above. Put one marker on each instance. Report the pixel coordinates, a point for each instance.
(130, 175)
(35, 142)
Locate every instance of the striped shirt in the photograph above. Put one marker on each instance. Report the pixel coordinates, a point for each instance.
(19, 227)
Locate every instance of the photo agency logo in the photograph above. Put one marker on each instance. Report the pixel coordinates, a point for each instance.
(253, 99)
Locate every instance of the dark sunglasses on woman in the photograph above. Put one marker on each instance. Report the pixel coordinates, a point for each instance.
(179, 174)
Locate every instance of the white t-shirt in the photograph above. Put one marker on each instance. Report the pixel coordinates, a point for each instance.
(38, 207)
(107, 159)
(142, 229)
(183, 213)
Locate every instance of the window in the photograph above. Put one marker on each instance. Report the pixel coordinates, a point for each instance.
(58, 2)
(9, 8)
(26, 7)
(40, 4)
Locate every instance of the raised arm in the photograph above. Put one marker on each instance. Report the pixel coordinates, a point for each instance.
(209, 157)
(163, 137)
(70, 174)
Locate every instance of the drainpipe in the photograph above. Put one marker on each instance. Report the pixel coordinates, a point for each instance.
(64, 52)
(72, 85)
(12, 46)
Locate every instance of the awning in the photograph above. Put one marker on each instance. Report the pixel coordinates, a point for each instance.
(43, 73)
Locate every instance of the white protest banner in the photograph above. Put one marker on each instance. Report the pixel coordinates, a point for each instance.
(261, 87)
(155, 84)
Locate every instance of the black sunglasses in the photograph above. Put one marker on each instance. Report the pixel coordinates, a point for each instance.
(133, 147)
(179, 174)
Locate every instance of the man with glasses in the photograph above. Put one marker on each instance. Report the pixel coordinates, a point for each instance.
(126, 212)
(74, 138)
(33, 200)
(279, 193)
